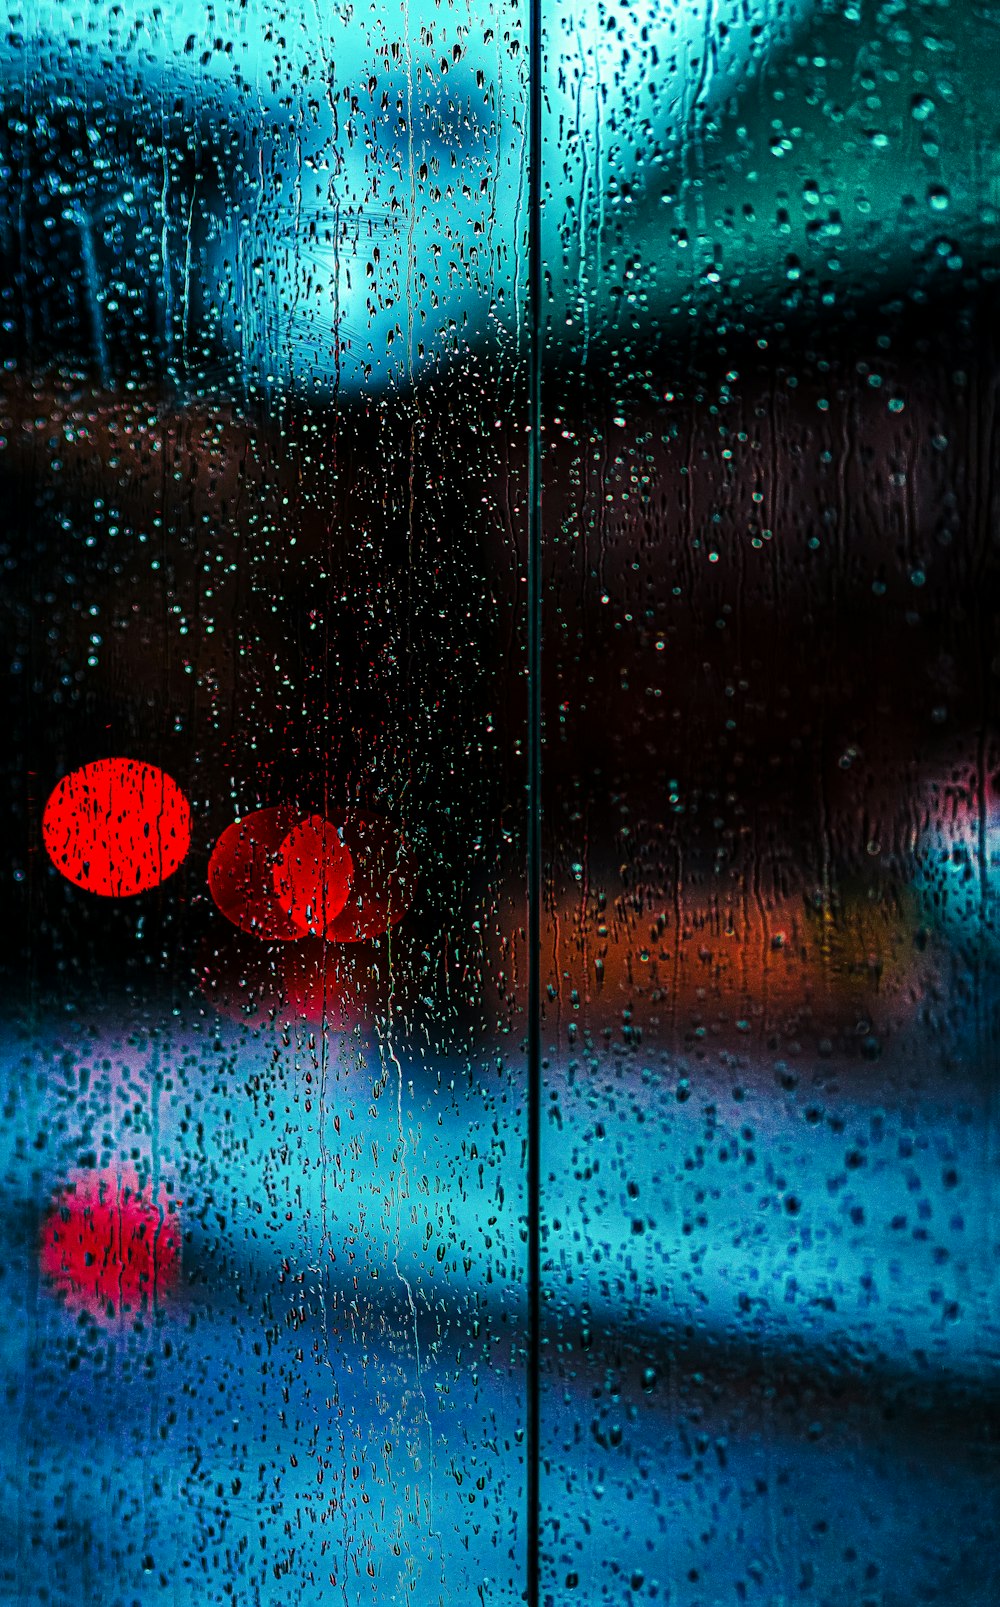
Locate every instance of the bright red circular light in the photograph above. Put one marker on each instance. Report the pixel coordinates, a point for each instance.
(117, 827)
(312, 875)
(241, 874)
(383, 881)
(109, 1247)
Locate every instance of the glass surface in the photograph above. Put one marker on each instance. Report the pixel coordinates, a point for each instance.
(264, 1107)
(268, 1079)
(769, 957)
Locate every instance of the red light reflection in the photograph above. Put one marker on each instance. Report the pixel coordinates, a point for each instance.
(109, 1247)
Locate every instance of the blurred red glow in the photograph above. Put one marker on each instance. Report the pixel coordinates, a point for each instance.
(308, 984)
(117, 827)
(312, 875)
(380, 870)
(322, 989)
(109, 1247)
(241, 874)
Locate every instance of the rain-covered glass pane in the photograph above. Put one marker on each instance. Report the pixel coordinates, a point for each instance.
(285, 1318)
(769, 949)
(262, 282)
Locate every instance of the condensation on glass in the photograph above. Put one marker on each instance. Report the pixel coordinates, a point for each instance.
(264, 430)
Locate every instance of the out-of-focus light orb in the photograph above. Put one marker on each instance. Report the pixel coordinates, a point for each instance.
(312, 875)
(117, 827)
(241, 874)
(380, 868)
(109, 1247)
(383, 882)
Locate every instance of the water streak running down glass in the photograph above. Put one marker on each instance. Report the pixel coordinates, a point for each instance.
(269, 350)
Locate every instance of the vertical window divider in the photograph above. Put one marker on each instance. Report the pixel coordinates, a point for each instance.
(534, 798)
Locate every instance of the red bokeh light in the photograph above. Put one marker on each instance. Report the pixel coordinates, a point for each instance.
(109, 1247)
(276, 875)
(117, 827)
(312, 875)
(241, 874)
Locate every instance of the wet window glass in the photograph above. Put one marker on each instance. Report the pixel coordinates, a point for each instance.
(501, 959)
